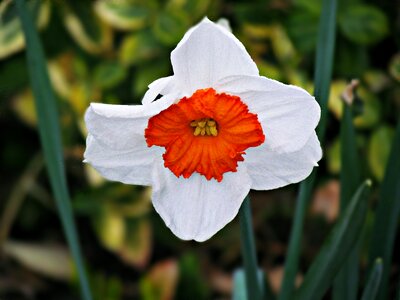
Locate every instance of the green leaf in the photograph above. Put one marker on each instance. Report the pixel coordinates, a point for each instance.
(191, 281)
(109, 74)
(85, 27)
(170, 27)
(302, 28)
(311, 6)
(322, 79)
(387, 214)
(354, 60)
(350, 179)
(11, 36)
(24, 106)
(118, 214)
(333, 157)
(379, 150)
(335, 103)
(50, 136)
(394, 67)
(196, 9)
(138, 48)
(363, 24)
(253, 286)
(336, 248)
(107, 286)
(371, 109)
(374, 280)
(147, 73)
(283, 47)
(123, 14)
(239, 285)
(255, 12)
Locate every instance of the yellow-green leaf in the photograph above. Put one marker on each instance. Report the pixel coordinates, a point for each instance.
(86, 28)
(24, 107)
(122, 14)
(379, 149)
(283, 47)
(333, 157)
(335, 103)
(138, 47)
(11, 37)
(371, 109)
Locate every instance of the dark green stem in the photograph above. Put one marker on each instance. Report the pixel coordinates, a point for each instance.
(322, 79)
(249, 251)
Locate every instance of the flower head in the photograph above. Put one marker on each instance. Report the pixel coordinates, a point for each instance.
(218, 131)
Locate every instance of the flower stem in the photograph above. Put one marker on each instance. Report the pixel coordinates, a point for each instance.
(249, 251)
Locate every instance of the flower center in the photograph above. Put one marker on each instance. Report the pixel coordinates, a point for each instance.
(206, 126)
(206, 133)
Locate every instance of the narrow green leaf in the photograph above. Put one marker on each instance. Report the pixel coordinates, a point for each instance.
(239, 286)
(324, 60)
(336, 248)
(363, 24)
(322, 79)
(350, 178)
(50, 137)
(387, 215)
(254, 291)
(374, 280)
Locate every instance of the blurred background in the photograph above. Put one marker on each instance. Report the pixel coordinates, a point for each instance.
(109, 51)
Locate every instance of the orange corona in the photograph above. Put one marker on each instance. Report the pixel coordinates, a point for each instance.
(205, 133)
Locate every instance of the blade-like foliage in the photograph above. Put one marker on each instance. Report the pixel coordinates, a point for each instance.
(387, 215)
(336, 248)
(374, 279)
(323, 76)
(249, 251)
(350, 178)
(50, 136)
(239, 286)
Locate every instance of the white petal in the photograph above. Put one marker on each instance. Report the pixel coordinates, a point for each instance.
(206, 54)
(118, 126)
(130, 166)
(196, 208)
(288, 114)
(161, 86)
(116, 146)
(270, 170)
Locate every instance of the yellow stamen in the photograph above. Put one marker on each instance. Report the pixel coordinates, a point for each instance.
(197, 131)
(211, 123)
(204, 127)
(214, 131)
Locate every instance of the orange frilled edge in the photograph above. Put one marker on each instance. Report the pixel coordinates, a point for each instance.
(211, 156)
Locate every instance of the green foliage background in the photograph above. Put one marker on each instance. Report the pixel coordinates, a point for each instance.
(109, 51)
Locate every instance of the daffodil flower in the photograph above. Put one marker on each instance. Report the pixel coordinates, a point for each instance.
(218, 130)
